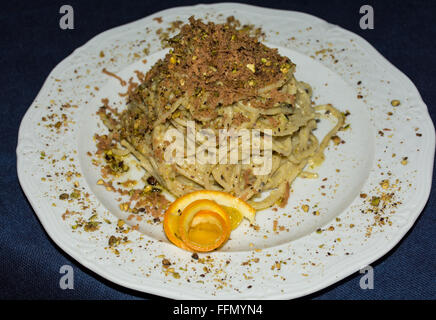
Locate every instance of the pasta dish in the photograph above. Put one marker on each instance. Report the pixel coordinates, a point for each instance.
(219, 77)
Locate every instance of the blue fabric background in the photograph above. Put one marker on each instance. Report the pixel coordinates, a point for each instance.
(32, 44)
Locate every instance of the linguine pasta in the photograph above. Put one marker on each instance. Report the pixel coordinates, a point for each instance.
(218, 77)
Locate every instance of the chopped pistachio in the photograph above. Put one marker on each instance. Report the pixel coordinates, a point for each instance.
(285, 68)
(375, 201)
(395, 103)
(113, 241)
(75, 194)
(91, 226)
(336, 140)
(385, 184)
(64, 196)
(251, 67)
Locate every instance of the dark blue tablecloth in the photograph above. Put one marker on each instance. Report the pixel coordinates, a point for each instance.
(32, 44)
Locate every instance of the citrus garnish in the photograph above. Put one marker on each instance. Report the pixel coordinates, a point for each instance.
(235, 216)
(171, 228)
(231, 209)
(204, 230)
(203, 205)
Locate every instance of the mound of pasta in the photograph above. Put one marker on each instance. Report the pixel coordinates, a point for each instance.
(219, 77)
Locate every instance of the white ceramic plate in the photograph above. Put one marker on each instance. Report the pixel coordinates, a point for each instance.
(387, 156)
